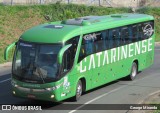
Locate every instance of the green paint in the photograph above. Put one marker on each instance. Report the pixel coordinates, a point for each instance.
(96, 69)
(6, 52)
(60, 55)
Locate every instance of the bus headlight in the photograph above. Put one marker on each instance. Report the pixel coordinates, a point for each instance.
(54, 88)
(49, 89)
(14, 92)
(14, 84)
(52, 96)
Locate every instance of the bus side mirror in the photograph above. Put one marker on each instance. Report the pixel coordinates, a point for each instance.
(7, 50)
(61, 53)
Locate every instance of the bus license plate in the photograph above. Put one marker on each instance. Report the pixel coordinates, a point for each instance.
(31, 96)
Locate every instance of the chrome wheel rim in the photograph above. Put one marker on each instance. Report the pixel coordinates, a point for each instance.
(134, 71)
(79, 90)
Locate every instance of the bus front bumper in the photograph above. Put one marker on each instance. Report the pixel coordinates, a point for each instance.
(37, 94)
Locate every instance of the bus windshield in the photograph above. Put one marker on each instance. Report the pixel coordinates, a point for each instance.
(36, 63)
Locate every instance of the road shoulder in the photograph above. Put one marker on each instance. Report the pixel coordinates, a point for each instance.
(153, 98)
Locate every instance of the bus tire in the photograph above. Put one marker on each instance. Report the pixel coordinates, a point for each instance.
(78, 91)
(134, 71)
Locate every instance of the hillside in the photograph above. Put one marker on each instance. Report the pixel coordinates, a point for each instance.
(14, 20)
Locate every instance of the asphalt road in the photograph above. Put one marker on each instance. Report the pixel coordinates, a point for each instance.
(118, 92)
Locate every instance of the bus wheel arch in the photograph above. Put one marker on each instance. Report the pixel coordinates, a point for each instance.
(78, 91)
(83, 80)
(136, 61)
(80, 88)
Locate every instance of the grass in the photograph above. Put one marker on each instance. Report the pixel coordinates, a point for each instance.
(14, 20)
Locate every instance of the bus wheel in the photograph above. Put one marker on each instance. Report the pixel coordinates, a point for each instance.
(133, 71)
(78, 91)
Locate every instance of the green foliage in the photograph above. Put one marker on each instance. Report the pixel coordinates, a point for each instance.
(1, 4)
(155, 11)
(14, 20)
(62, 11)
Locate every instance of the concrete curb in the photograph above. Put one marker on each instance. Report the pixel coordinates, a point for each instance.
(157, 43)
(7, 64)
(148, 96)
(144, 102)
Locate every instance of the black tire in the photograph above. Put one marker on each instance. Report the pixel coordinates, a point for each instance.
(134, 71)
(78, 91)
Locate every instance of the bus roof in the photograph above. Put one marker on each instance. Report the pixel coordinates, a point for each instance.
(60, 31)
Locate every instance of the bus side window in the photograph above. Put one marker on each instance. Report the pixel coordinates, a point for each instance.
(140, 32)
(134, 33)
(148, 29)
(125, 36)
(69, 55)
(99, 42)
(110, 40)
(82, 53)
(74, 41)
(105, 35)
(86, 48)
(96, 41)
(152, 28)
(67, 64)
(152, 24)
(115, 38)
(130, 35)
(103, 38)
(144, 30)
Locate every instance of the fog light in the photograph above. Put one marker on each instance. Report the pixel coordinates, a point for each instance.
(14, 92)
(48, 89)
(15, 85)
(52, 96)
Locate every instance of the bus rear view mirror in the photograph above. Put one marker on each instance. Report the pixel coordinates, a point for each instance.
(6, 52)
(61, 53)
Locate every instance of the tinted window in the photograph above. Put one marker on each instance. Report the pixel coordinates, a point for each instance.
(94, 42)
(125, 39)
(69, 55)
(107, 39)
(115, 38)
(87, 46)
(101, 41)
(134, 33)
(140, 31)
(148, 29)
(105, 35)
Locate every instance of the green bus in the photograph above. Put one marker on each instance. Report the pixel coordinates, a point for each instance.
(59, 60)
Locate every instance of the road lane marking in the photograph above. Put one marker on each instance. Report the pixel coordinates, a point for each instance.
(96, 99)
(5, 80)
(108, 93)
